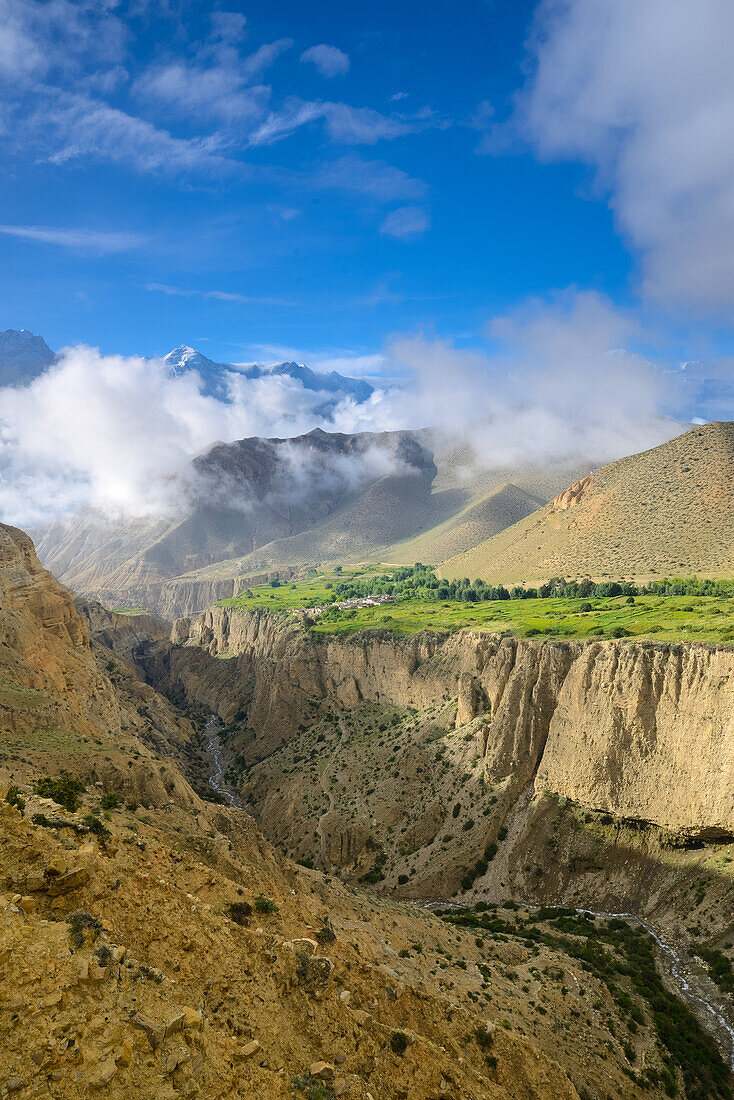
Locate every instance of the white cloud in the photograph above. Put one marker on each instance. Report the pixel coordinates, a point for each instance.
(344, 124)
(406, 223)
(118, 433)
(556, 386)
(80, 239)
(264, 57)
(644, 92)
(217, 295)
(329, 60)
(373, 179)
(72, 127)
(210, 93)
(228, 26)
(37, 37)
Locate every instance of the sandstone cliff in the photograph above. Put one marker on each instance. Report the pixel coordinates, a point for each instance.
(634, 729)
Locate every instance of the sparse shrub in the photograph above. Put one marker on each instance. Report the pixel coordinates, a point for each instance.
(64, 789)
(484, 1038)
(402, 879)
(150, 974)
(265, 905)
(398, 1042)
(325, 936)
(80, 922)
(110, 801)
(96, 827)
(104, 955)
(14, 798)
(240, 912)
(312, 1088)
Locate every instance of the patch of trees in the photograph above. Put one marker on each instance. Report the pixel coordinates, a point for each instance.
(421, 581)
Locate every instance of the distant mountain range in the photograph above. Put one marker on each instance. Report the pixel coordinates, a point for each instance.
(249, 505)
(217, 376)
(257, 506)
(24, 356)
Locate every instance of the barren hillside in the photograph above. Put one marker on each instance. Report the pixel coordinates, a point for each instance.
(665, 511)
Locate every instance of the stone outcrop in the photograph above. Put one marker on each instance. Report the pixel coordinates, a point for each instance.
(569, 498)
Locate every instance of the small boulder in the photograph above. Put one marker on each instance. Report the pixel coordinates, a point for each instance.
(72, 880)
(153, 1029)
(323, 1071)
(302, 946)
(103, 1075)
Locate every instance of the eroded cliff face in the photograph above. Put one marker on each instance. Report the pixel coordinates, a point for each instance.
(68, 705)
(637, 730)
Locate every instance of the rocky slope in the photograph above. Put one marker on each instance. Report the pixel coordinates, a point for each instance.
(476, 523)
(633, 729)
(126, 970)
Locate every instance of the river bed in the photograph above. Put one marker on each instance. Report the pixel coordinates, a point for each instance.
(216, 754)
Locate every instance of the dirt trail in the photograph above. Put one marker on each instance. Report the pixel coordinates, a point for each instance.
(326, 788)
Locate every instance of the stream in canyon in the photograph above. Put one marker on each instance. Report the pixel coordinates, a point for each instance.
(217, 780)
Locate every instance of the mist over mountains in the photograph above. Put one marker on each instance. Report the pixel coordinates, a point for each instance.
(119, 435)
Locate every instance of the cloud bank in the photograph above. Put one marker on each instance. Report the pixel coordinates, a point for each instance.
(644, 93)
(554, 384)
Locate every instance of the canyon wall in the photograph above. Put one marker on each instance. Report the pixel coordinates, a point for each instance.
(638, 730)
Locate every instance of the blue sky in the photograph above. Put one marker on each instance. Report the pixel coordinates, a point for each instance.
(269, 179)
(328, 237)
(523, 212)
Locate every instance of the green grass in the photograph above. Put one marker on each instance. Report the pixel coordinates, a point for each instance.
(129, 610)
(18, 696)
(664, 618)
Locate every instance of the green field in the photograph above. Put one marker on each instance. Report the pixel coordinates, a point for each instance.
(665, 618)
(672, 618)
